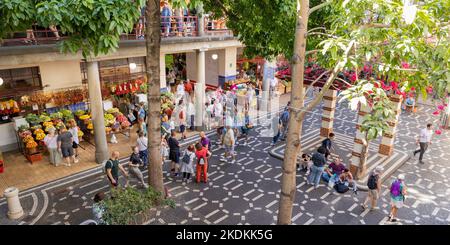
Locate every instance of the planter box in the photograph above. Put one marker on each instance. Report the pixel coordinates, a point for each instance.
(34, 157)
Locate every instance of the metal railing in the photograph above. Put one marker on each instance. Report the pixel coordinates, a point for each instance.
(173, 26)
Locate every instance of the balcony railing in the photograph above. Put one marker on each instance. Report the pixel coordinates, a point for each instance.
(183, 26)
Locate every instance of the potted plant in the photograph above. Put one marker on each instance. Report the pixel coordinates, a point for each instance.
(31, 146)
(56, 117)
(33, 119)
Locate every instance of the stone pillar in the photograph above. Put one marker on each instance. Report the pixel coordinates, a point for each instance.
(358, 142)
(162, 70)
(227, 65)
(200, 89)
(15, 210)
(329, 108)
(191, 66)
(268, 75)
(387, 142)
(96, 105)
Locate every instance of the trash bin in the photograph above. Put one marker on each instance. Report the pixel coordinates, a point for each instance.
(14, 207)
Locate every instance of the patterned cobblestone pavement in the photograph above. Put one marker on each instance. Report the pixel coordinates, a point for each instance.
(247, 192)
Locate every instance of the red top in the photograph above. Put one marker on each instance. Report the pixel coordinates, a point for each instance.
(188, 87)
(203, 153)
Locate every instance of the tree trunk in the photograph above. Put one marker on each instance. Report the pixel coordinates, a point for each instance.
(288, 179)
(153, 41)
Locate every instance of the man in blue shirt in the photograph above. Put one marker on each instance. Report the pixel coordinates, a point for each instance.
(328, 144)
(165, 18)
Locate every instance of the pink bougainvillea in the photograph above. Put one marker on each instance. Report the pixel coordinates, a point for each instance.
(441, 107)
(405, 65)
(429, 89)
(438, 132)
(353, 77)
(436, 113)
(412, 89)
(394, 85)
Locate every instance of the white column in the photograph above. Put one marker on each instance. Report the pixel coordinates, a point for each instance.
(268, 75)
(387, 142)
(200, 89)
(329, 108)
(227, 65)
(191, 66)
(358, 142)
(162, 70)
(96, 105)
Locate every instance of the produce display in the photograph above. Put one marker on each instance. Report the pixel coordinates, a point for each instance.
(9, 107)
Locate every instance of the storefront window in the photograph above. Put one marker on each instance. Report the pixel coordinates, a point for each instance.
(19, 81)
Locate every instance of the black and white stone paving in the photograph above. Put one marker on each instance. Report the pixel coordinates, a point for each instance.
(247, 191)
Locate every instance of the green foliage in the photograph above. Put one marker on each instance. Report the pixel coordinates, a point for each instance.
(128, 203)
(16, 15)
(33, 118)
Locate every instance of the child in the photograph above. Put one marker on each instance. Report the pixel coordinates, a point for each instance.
(187, 163)
(164, 150)
(306, 163)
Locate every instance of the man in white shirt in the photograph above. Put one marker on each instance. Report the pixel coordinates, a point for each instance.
(423, 141)
(273, 85)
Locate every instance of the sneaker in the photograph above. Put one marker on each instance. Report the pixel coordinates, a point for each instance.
(67, 164)
(233, 161)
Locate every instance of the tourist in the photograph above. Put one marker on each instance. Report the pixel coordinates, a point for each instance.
(191, 114)
(202, 162)
(164, 151)
(98, 208)
(328, 144)
(229, 142)
(423, 141)
(141, 24)
(249, 97)
(73, 129)
(398, 193)
(334, 170)
(141, 111)
(142, 126)
(180, 91)
(204, 140)
(306, 163)
(410, 103)
(172, 123)
(171, 76)
(55, 31)
(347, 179)
(374, 185)
(209, 115)
(187, 163)
(165, 127)
(317, 168)
(112, 168)
(188, 87)
(165, 19)
(51, 141)
(134, 163)
(65, 146)
(142, 142)
(182, 119)
(277, 127)
(174, 154)
(284, 120)
(245, 129)
(218, 112)
(273, 86)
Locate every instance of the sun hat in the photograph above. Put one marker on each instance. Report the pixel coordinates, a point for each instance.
(401, 177)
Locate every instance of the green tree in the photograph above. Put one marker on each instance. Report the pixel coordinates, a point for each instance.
(355, 33)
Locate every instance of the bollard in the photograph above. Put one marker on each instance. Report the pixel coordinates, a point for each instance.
(14, 207)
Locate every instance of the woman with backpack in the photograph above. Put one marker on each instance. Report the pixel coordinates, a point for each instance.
(398, 193)
(202, 162)
(374, 185)
(133, 164)
(187, 163)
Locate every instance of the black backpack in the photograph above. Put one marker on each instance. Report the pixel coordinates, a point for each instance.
(372, 182)
(341, 187)
(186, 158)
